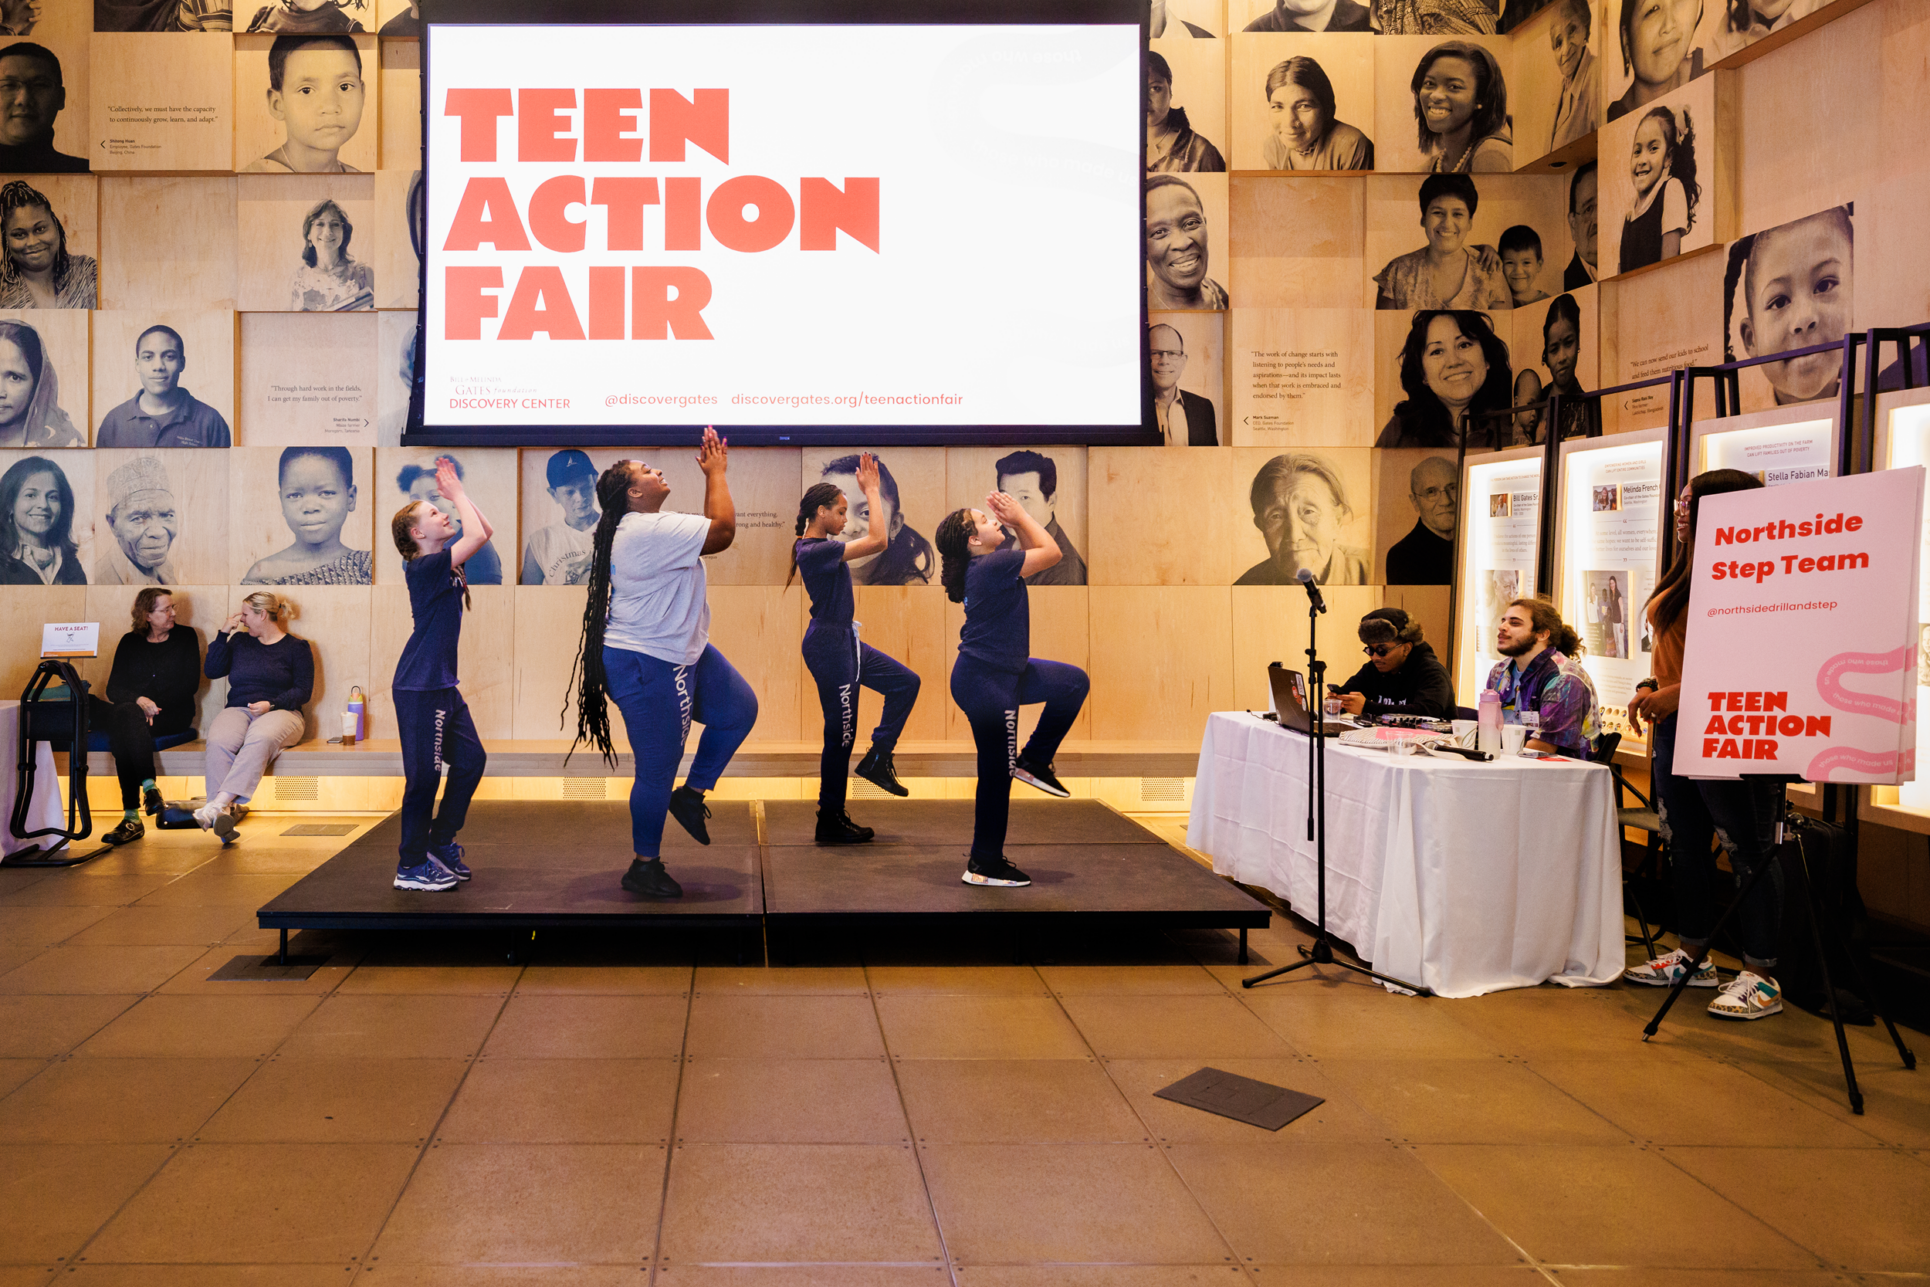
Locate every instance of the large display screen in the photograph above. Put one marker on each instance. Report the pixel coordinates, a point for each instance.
(929, 232)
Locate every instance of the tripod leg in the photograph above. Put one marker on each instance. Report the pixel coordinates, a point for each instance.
(1695, 960)
(1829, 986)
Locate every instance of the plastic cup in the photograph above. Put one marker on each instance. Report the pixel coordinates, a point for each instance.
(1513, 738)
(1464, 732)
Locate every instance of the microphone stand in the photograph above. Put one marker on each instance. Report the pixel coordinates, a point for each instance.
(1322, 950)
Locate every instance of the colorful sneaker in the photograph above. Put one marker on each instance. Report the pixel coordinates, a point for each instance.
(427, 875)
(450, 856)
(994, 871)
(688, 808)
(648, 878)
(1748, 996)
(1040, 776)
(1664, 970)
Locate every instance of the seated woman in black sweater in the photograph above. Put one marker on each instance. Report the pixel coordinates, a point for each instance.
(271, 676)
(150, 693)
(1402, 675)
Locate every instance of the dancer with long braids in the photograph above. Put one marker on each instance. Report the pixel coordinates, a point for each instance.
(841, 662)
(995, 675)
(646, 646)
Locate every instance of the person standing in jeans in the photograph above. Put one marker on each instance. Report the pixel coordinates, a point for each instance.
(271, 676)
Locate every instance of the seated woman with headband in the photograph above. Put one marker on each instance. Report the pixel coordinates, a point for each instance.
(271, 676)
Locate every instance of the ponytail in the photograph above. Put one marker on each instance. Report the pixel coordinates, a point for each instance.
(586, 676)
(954, 531)
(402, 528)
(816, 497)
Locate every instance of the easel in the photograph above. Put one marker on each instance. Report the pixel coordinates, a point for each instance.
(37, 715)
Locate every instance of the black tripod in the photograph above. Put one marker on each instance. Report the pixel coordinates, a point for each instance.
(1785, 836)
(1322, 950)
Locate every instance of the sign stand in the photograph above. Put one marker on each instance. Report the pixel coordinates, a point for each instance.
(1787, 842)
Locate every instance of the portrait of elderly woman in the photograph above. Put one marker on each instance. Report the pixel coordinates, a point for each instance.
(1447, 272)
(1300, 507)
(38, 271)
(330, 280)
(1454, 368)
(143, 520)
(37, 544)
(1305, 134)
(30, 412)
(1461, 110)
(1176, 247)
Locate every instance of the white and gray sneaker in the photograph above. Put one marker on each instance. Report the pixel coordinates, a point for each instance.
(1664, 970)
(1748, 996)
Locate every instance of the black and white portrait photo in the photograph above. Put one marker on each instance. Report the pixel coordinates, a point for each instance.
(163, 413)
(316, 491)
(1425, 555)
(35, 93)
(1184, 419)
(1461, 110)
(163, 15)
(1301, 508)
(30, 412)
(1178, 238)
(416, 481)
(1584, 196)
(1301, 16)
(908, 557)
(557, 551)
(43, 518)
(1734, 25)
(40, 270)
(1454, 269)
(329, 280)
(1191, 19)
(143, 519)
(1561, 337)
(1303, 102)
(1578, 103)
(304, 17)
(1789, 287)
(400, 18)
(1457, 376)
(1173, 146)
(1658, 180)
(1435, 17)
(1656, 39)
(312, 106)
(1032, 479)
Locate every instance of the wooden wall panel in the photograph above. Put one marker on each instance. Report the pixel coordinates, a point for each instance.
(1396, 143)
(909, 624)
(269, 213)
(919, 473)
(1301, 377)
(28, 608)
(307, 378)
(548, 626)
(209, 373)
(1296, 242)
(401, 105)
(1270, 624)
(486, 668)
(162, 101)
(147, 262)
(764, 491)
(489, 475)
(1168, 666)
(258, 133)
(336, 621)
(757, 628)
(394, 360)
(1664, 319)
(64, 342)
(1203, 339)
(1346, 57)
(80, 470)
(257, 524)
(1061, 616)
(1127, 549)
(197, 482)
(972, 472)
(1538, 201)
(1897, 197)
(391, 253)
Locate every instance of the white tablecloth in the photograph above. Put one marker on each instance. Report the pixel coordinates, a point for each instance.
(1465, 877)
(48, 808)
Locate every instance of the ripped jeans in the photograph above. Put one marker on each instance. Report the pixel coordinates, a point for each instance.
(1742, 812)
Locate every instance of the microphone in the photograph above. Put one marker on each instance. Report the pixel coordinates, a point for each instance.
(1305, 577)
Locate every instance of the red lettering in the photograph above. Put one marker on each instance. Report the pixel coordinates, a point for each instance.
(1765, 749)
(826, 211)
(547, 217)
(1715, 725)
(1709, 748)
(1752, 701)
(1729, 750)
(1775, 701)
(1816, 726)
(540, 124)
(1732, 701)
(606, 125)
(657, 314)
(465, 302)
(1853, 523)
(676, 120)
(1727, 535)
(1790, 726)
(486, 213)
(541, 303)
(479, 111)
(623, 200)
(775, 213)
(682, 213)
(606, 303)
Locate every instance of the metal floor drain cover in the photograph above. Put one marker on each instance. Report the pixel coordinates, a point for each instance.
(320, 829)
(1257, 1103)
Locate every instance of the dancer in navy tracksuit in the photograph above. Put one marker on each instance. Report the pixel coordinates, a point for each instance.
(646, 646)
(994, 674)
(429, 711)
(838, 660)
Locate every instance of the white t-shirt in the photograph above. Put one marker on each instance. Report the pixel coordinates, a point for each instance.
(657, 602)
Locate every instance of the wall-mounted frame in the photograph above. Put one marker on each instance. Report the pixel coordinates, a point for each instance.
(1786, 445)
(1903, 439)
(1498, 555)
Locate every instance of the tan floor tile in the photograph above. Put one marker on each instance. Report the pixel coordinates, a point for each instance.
(1469, 1101)
(757, 1026)
(93, 1275)
(202, 1026)
(790, 1101)
(589, 1027)
(338, 1101)
(1173, 1027)
(796, 1202)
(140, 857)
(956, 980)
(803, 1276)
(1408, 1276)
(233, 1203)
(1794, 1036)
(68, 970)
(15, 955)
(614, 980)
(523, 1204)
(143, 926)
(834, 980)
(1683, 1099)
(16, 1072)
(1617, 1206)
(1335, 1204)
(423, 1027)
(44, 925)
(54, 1196)
(563, 1101)
(472, 980)
(1355, 1021)
(1616, 1276)
(198, 978)
(72, 889)
(1130, 980)
(88, 1100)
(27, 1275)
(204, 888)
(1594, 1023)
(1101, 1276)
(978, 1027)
(572, 1275)
(268, 860)
(1896, 1103)
(1026, 1203)
(1338, 1120)
(1856, 1208)
(42, 1027)
(1016, 1101)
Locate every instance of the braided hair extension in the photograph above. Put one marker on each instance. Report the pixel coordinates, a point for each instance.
(816, 497)
(586, 675)
(954, 531)
(402, 528)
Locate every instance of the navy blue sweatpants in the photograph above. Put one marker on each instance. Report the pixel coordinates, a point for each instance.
(658, 701)
(436, 730)
(832, 655)
(991, 700)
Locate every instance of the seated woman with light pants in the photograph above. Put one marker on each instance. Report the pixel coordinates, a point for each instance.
(271, 675)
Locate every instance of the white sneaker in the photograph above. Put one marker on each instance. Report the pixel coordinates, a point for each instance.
(206, 815)
(216, 820)
(1664, 970)
(1748, 996)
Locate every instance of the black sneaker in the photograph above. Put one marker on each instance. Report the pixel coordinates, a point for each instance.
(840, 830)
(129, 830)
(876, 768)
(688, 808)
(993, 871)
(1040, 776)
(152, 803)
(651, 880)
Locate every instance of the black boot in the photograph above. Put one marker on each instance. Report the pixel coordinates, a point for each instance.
(688, 808)
(152, 803)
(838, 829)
(129, 830)
(876, 768)
(647, 877)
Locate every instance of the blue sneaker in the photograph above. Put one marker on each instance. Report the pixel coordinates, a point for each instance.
(428, 875)
(450, 856)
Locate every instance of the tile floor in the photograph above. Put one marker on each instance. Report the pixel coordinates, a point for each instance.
(886, 1112)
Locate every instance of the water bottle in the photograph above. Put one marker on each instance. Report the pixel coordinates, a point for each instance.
(1488, 722)
(358, 708)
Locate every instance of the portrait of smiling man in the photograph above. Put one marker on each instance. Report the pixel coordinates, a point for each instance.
(1176, 247)
(163, 413)
(32, 95)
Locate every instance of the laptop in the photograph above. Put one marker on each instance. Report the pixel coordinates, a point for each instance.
(1289, 689)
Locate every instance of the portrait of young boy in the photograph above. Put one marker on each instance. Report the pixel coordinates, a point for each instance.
(316, 92)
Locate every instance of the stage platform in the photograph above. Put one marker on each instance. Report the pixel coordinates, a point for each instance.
(542, 864)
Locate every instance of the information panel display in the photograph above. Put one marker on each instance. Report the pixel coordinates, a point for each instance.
(1502, 500)
(1787, 445)
(1905, 419)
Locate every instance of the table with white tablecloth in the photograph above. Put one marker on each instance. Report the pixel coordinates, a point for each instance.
(1462, 876)
(48, 807)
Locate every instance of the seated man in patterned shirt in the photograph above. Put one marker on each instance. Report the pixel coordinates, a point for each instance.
(1542, 676)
